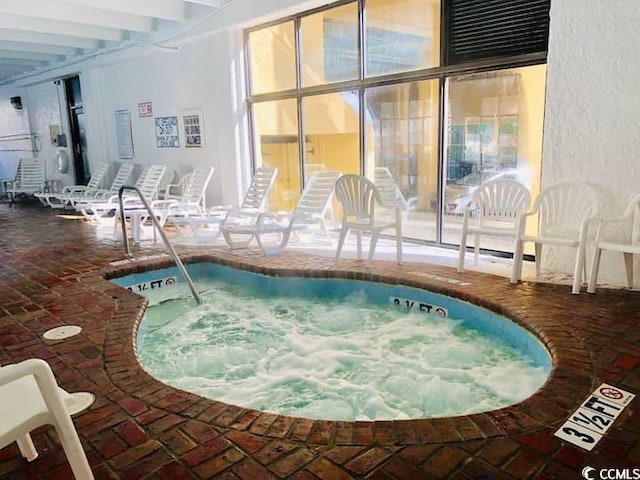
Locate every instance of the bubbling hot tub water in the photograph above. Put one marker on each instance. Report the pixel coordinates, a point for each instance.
(343, 357)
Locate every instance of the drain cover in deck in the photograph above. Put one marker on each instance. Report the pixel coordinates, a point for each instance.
(60, 333)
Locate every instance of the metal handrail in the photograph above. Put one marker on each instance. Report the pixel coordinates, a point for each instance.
(157, 225)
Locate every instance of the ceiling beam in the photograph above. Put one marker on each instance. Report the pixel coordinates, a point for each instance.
(165, 9)
(21, 62)
(34, 56)
(57, 10)
(48, 38)
(209, 3)
(37, 48)
(59, 27)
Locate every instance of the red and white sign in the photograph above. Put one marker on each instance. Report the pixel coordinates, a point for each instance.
(145, 109)
(614, 394)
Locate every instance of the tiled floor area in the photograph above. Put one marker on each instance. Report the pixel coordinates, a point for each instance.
(52, 273)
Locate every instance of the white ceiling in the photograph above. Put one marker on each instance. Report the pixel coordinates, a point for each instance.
(37, 35)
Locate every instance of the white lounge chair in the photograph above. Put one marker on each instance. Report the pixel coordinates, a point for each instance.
(620, 235)
(565, 212)
(29, 398)
(494, 211)
(30, 178)
(254, 202)
(308, 216)
(58, 199)
(390, 193)
(148, 183)
(359, 197)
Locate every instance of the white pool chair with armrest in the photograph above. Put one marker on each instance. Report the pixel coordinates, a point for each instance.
(29, 398)
(390, 193)
(307, 217)
(565, 212)
(618, 235)
(359, 197)
(494, 211)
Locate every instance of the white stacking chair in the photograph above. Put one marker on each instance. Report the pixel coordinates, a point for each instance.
(122, 176)
(359, 197)
(494, 211)
(565, 212)
(308, 216)
(620, 235)
(29, 398)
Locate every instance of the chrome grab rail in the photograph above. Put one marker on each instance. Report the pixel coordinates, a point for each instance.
(157, 226)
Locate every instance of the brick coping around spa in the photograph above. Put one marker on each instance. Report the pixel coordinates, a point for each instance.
(543, 407)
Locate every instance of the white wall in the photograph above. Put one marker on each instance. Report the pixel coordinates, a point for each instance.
(12, 122)
(592, 120)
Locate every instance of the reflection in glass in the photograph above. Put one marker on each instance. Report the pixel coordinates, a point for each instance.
(272, 58)
(401, 35)
(276, 145)
(401, 151)
(330, 45)
(494, 130)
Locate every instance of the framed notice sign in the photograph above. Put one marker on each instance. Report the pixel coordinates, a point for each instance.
(123, 134)
(167, 132)
(193, 128)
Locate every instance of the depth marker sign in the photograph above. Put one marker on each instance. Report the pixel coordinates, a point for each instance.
(586, 426)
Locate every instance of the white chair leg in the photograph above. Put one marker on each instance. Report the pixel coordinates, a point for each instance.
(372, 247)
(516, 269)
(359, 243)
(343, 235)
(399, 245)
(593, 276)
(463, 248)
(577, 272)
(628, 265)
(27, 448)
(73, 450)
(476, 248)
(538, 249)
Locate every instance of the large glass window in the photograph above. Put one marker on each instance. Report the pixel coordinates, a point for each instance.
(401, 144)
(494, 130)
(276, 145)
(401, 35)
(330, 45)
(272, 58)
(375, 97)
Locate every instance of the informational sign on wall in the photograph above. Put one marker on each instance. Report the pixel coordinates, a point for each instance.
(167, 132)
(123, 134)
(193, 129)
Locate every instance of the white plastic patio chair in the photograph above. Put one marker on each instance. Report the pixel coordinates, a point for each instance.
(565, 212)
(191, 199)
(254, 202)
(29, 398)
(390, 193)
(308, 216)
(618, 235)
(359, 197)
(56, 199)
(494, 211)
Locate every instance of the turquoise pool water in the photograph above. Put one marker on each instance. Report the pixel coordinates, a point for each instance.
(332, 349)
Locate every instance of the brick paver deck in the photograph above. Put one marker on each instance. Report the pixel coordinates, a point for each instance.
(52, 273)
